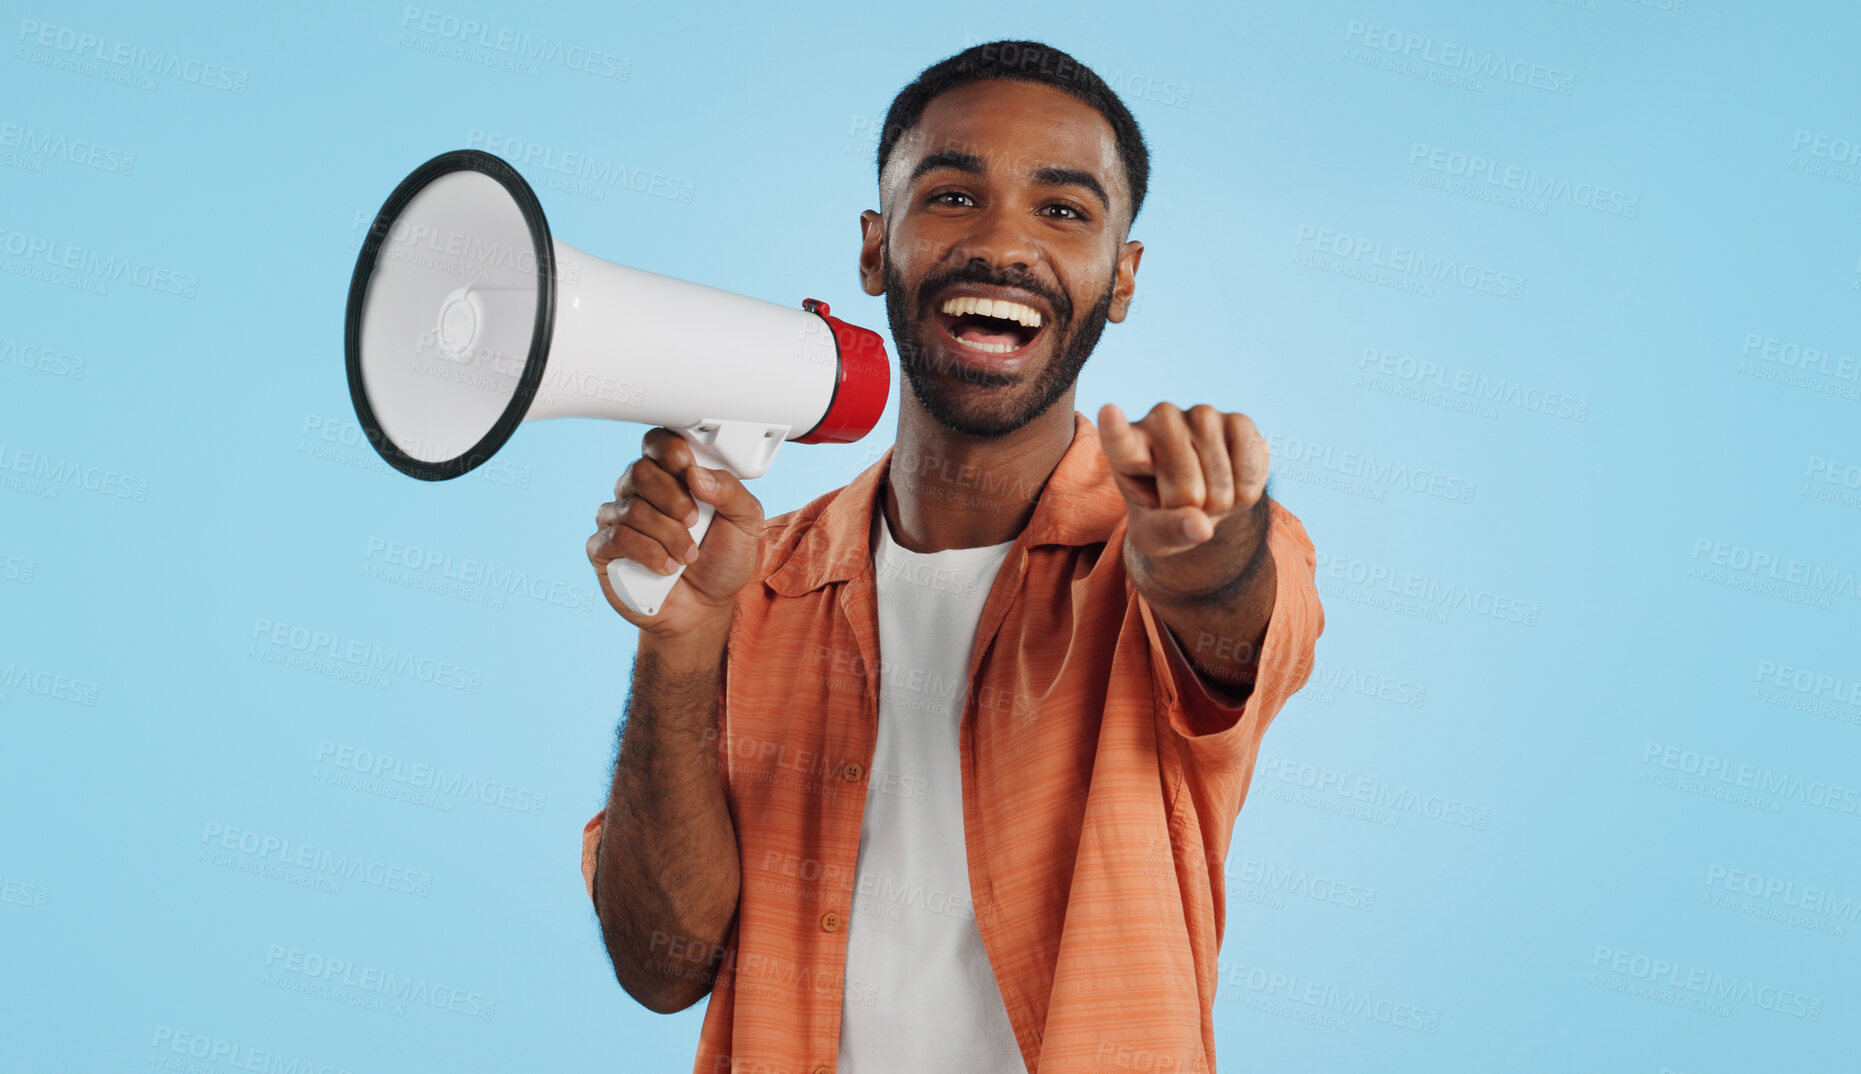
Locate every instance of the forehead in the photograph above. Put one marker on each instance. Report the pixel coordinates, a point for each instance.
(1014, 127)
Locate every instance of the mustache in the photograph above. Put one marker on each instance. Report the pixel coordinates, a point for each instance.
(978, 273)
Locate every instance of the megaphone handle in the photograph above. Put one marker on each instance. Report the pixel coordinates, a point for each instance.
(645, 590)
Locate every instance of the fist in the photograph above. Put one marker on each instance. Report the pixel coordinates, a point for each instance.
(649, 521)
(1182, 472)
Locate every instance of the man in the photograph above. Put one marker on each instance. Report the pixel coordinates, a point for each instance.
(938, 772)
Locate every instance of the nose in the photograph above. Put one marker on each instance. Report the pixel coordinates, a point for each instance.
(1000, 239)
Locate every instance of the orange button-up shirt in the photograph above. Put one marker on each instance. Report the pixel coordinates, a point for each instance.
(1101, 781)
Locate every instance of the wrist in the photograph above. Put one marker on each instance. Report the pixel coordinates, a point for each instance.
(1165, 587)
(696, 650)
(1213, 573)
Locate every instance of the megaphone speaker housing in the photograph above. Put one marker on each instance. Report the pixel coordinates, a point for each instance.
(467, 318)
(471, 213)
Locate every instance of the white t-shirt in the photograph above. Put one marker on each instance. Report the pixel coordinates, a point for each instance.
(920, 996)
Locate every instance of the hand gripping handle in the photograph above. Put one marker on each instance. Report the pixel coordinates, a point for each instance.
(744, 448)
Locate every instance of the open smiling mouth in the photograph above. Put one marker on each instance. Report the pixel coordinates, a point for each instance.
(990, 326)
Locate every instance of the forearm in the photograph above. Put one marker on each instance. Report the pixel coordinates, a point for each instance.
(1216, 598)
(666, 873)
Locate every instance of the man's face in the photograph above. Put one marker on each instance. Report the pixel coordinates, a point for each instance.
(1000, 251)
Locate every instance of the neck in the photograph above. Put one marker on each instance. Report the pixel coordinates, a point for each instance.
(948, 490)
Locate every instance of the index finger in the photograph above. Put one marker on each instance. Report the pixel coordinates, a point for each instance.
(669, 450)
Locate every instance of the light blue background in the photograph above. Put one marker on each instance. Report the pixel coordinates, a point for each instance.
(119, 934)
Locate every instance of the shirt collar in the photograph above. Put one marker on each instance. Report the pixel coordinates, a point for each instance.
(1080, 505)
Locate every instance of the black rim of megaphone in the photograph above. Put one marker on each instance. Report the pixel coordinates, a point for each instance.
(458, 160)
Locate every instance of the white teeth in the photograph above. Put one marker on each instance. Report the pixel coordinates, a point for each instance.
(990, 348)
(997, 307)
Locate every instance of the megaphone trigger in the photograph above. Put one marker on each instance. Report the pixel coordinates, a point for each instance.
(745, 448)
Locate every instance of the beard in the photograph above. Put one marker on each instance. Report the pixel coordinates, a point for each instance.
(974, 402)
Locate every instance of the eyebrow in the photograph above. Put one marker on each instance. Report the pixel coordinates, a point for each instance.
(968, 163)
(971, 164)
(1073, 177)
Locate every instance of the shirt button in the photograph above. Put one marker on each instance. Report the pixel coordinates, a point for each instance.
(852, 771)
(830, 921)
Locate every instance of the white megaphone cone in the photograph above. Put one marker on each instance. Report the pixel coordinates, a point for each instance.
(466, 318)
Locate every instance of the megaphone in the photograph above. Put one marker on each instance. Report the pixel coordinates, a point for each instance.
(466, 318)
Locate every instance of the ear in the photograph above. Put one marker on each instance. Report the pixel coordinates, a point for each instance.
(1124, 280)
(872, 252)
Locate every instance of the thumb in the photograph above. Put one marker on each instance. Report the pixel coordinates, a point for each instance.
(1167, 531)
(723, 490)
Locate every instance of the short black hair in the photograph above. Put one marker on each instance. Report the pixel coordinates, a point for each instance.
(1021, 61)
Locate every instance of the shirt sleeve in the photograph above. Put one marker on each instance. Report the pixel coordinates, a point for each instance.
(591, 842)
(1212, 725)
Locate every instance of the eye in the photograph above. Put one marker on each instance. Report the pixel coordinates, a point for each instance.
(1071, 212)
(942, 197)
